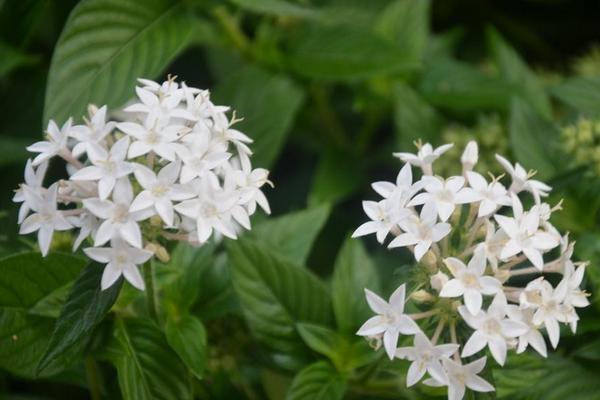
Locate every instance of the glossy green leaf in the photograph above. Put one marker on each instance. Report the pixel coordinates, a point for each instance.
(318, 381)
(321, 339)
(293, 234)
(268, 104)
(147, 368)
(276, 294)
(106, 45)
(583, 94)
(460, 87)
(86, 306)
(187, 337)
(27, 280)
(344, 53)
(515, 71)
(406, 24)
(275, 7)
(354, 271)
(414, 117)
(555, 378)
(533, 139)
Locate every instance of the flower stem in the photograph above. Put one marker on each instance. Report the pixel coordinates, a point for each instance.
(93, 380)
(150, 296)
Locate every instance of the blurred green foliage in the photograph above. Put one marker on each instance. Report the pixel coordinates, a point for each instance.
(328, 89)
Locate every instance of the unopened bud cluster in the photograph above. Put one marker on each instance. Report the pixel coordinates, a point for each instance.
(487, 258)
(173, 168)
(582, 141)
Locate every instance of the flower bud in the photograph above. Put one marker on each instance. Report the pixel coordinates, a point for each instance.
(438, 281)
(155, 220)
(422, 296)
(159, 251)
(470, 156)
(429, 261)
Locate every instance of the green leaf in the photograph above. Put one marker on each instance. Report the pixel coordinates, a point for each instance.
(292, 235)
(84, 309)
(25, 281)
(268, 104)
(106, 45)
(515, 71)
(406, 24)
(532, 139)
(13, 150)
(583, 94)
(354, 271)
(275, 7)
(459, 87)
(51, 305)
(322, 340)
(555, 378)
(182, 276)
(276, 294)
(318, 381)
(147, 368)
(414, 118)
(187, 337)
(338, 176)
(344, 53)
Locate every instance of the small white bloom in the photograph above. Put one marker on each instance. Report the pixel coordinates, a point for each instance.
(384, 218)
(421, 232)
(425, 156)
(93, 133)
(469, 156)
(490, 196)
(461, 377)
(470, 281)
(152, 138)
(159, 107)
(492, 329)
(521, 180)
(34, 179)
(118, 221)
(56, 143)
(107, 167)
(46, 217)
(391, 320)
(159, 191)
(533, 336)
(120, 259)
(439, 280)
(200, 155)
(249, 182)
(425, 357)
(525, 236)
(444, 195)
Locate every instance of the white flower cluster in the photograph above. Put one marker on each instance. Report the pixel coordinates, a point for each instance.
(174, 168)
(485, 270)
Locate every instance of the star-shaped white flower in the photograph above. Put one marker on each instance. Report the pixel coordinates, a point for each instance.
(391, 320)
(421, 232)
(160, 190)
(249, 181)
(384, 217)
(525, 236)
(492, 329)
(118, 221)
(152, 138)
(88, 225)
(403, 190)
(56, 143)
(572, 279)
(107, 167)
(159, 107)
(461, 377)
(490, 196)
(533, 337)
(34, 178)
(494, 242)
(444, 195)
(200, 155)
(211, 209)
(93, 133)
(425, 156)
(425, 357)
(547, 302)
(521, 180)
(470, 281)
(120, 259)
(46, 217)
